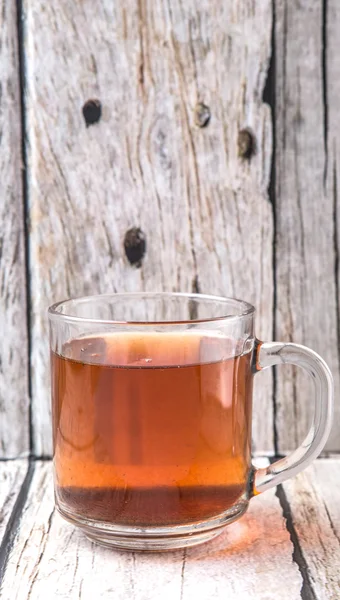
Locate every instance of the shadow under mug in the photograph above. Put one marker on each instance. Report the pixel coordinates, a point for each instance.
(151, 405)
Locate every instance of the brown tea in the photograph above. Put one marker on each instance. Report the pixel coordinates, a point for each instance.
(151, 429)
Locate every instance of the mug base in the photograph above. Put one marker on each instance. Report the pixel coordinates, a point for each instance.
(165, 544)
(154, 539)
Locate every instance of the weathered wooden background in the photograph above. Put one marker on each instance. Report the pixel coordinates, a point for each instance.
(209, 126)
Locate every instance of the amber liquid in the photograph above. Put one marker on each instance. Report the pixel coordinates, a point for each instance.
(151, 429)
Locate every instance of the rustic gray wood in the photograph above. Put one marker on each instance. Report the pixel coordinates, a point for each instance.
(313, 497)
(158, 69)
(12, 475)
(14, 403)
(50, 556)
(332, 129)
(306, 167)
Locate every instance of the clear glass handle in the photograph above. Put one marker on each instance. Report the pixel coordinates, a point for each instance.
(269, 354)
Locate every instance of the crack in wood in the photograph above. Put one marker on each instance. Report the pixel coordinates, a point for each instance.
(324, 84)
(302, 230)
(181, 79)
(26, 215)
(75, 569)
(269, 97)
(133, 575)
(307, 591)
(183, 572)
(109, 243)
(336, 535)
(14, 519)
(141, 77)
(336, 249)
(161, 225)
(195, 288)
(284, 72)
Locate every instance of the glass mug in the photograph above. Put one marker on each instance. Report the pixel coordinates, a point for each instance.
(152, 407)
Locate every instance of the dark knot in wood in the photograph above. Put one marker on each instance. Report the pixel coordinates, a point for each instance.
(135, 246)
(202, 115)
(246, 144)
(92, 111)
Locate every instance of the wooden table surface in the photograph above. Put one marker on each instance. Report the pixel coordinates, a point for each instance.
(286, 547)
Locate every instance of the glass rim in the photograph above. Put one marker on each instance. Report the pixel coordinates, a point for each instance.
(247, 308)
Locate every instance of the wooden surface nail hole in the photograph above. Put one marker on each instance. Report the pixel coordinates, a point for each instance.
(135, 246)
(202, 115)
(246, 144)
(92, 111)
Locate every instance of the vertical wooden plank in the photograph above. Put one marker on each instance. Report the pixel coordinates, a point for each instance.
(14, 483)
(331, 80)
(14, 402)
(152, 159)
(12, 475)
(315, 517)
(306, 287)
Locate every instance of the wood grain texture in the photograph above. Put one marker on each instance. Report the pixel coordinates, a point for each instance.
(14, 403)
(306, 199)
(331, 78)
(313, 497)
(12, 475)
(147, 162)
(253, 555)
